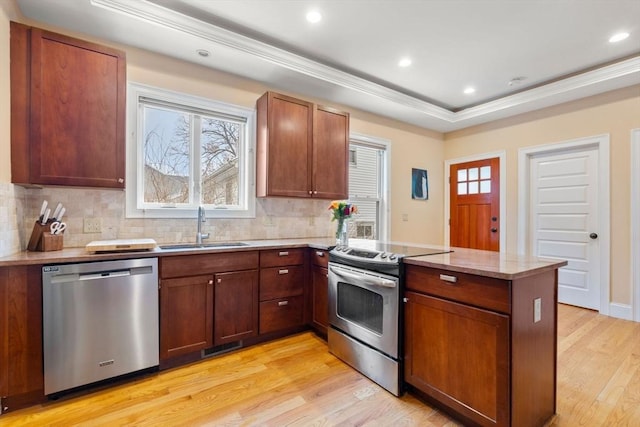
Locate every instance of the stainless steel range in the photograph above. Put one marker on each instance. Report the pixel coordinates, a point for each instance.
(365, 285)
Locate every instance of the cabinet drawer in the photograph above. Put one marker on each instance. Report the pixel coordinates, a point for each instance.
(319, 257)
(281, 314)
(188, 265)
(281, 282)
(279, 257)
(485, 292)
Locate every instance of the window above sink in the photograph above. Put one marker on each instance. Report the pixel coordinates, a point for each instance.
(185, 151)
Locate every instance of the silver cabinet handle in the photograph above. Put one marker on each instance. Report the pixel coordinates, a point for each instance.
(447, 278)
(320, 253)
(283, 253)
(283, 271)
(283, 303)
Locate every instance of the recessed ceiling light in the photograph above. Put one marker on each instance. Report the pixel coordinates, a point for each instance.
(404, 62)
(618, 37)
(203, 52)
(314, 16)
(469, 90)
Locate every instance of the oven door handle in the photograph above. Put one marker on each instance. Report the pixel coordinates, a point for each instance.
(370, 281)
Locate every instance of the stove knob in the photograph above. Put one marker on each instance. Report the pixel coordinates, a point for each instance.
(383, 255)
(392, 257)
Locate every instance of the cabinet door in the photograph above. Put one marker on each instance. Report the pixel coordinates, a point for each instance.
(459, 355)
(21, 370)
(330, 154)
(186, 315)
(77, 112)
(236, 306)
(319, 293)
(284, 143)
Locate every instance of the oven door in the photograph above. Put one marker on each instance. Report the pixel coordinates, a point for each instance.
(364, 305)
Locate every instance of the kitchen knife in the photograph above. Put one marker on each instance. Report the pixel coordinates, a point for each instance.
(46, 216)
(57, 211)
(42, 209)
(62, 211)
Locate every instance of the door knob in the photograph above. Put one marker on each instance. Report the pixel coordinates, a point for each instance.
(593, 235)
(494, 230)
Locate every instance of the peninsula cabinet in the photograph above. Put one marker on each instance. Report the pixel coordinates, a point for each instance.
(67, 110)
(188, 318)
(302, 149)
(475, 346)
(21, 368)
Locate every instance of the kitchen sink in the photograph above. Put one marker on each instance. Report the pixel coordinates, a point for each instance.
(203, 245)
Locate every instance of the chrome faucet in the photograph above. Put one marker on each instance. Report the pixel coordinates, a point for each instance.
(201, 218)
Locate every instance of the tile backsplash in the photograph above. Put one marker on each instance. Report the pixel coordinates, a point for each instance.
(11, 214)
(275, 218)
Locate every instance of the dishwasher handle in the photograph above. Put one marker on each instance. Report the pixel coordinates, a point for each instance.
(100, 274)
(104, 275)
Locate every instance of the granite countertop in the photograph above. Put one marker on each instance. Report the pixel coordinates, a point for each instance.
(487, 263)
(68, 255)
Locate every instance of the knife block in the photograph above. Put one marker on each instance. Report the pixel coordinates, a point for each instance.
(42, 240)
(50, 242)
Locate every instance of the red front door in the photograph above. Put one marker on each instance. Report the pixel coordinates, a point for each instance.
(475, 204)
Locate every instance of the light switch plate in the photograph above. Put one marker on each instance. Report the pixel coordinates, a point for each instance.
(537, 310)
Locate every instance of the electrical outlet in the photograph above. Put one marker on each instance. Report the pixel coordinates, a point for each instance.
(537, 310)
(93, 225)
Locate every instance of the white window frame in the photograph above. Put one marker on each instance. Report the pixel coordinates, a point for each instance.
(385, 145)
(135, 170)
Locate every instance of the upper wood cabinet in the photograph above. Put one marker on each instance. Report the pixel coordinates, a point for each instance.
(67, 110)
(302, 149)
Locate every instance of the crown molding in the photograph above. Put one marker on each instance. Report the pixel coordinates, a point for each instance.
(590, 82)
(626, 68)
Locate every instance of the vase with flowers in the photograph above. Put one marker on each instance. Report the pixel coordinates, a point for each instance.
(341, 211)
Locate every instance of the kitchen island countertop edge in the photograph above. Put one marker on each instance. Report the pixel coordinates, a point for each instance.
(498, 265)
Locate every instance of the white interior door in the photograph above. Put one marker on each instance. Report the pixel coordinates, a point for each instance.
(564, 221)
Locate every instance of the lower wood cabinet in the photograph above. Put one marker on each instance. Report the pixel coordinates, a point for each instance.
(21, 368)
(319, 291)
(282, 289)
(186, 320)
(189, 321)
(473, 344)
(459, 355)
(235, 306)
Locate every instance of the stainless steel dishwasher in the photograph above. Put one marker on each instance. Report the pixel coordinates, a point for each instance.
(100, 320)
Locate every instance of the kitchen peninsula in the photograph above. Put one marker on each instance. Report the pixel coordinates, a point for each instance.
(480, 335)
(498, 312)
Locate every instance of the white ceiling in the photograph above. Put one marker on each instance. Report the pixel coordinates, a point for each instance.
(350, 57)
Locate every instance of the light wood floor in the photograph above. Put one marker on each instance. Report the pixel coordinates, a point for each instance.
(296, 382)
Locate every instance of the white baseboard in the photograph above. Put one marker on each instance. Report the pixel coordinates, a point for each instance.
(621, 311)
